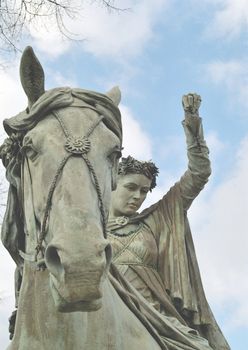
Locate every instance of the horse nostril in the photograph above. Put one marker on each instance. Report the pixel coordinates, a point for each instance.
(53, 261)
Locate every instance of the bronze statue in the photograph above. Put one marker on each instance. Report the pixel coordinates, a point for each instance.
(61, 161)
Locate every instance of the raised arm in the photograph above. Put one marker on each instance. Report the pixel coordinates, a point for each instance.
(196, 176)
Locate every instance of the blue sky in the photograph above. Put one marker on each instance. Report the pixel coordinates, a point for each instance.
(156, 52)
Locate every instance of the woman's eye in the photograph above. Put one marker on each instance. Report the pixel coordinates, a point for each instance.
(131, 188)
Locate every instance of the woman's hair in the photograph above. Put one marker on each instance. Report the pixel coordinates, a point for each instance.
(131, 165)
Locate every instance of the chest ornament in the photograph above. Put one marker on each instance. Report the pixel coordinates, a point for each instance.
(121, 220)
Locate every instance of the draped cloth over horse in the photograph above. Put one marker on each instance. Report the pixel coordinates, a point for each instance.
(75, 251)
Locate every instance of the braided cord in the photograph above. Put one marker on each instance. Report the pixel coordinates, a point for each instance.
(67, 134)
(94, 125)
(49, 204)
(99, 193)
(63, 127)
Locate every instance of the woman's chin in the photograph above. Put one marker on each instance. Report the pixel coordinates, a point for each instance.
(130, 213)
(131, 210)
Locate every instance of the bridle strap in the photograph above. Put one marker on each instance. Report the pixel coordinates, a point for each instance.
(43, 231)
(79, 147)
(99, 194)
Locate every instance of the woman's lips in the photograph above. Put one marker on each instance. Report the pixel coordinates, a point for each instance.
(133, 205)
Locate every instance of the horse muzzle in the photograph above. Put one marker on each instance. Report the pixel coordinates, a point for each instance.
(65, 305)
(76, 276)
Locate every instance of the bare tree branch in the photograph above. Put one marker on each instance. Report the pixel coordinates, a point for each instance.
(17, 16)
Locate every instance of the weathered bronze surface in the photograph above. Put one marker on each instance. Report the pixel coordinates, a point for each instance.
(61, 161)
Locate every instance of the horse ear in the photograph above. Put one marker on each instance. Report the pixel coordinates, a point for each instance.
(115, 95)
(32, 76)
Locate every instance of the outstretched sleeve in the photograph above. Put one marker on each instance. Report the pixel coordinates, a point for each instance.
(196, 176)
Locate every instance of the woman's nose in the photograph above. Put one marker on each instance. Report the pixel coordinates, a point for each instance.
(136, 194)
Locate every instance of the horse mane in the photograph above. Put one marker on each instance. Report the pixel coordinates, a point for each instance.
(13, 235)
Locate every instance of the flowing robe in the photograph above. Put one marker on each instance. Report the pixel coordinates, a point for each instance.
(158, 256)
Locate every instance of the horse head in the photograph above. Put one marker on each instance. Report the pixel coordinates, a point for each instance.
(69, 145)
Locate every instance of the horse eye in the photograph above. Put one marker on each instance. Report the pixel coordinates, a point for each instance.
(115, 155)
(31, 153)
(29, 150)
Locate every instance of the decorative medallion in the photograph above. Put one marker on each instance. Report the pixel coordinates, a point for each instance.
(78, 145)
(121, 220)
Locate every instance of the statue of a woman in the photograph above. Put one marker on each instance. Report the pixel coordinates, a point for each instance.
(154, 249)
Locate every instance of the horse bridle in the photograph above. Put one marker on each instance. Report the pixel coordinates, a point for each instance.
(75, 146)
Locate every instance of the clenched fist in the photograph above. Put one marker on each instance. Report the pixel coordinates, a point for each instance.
(191, 103)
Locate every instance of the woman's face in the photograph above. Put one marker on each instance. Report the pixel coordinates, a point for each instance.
(129, 195)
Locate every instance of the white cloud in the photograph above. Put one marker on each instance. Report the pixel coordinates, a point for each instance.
(219, 224)
(58, 79)
(233, 75)
(215, 145)
(227, 71)
(230, 18)
(12, 97)
(105, 33)
(135, 141)
(48, 39)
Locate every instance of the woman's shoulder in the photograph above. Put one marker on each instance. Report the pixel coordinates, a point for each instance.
(170, 197)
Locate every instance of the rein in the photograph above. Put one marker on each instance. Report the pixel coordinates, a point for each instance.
(75, 146)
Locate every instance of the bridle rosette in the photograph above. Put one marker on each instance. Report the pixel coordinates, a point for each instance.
(80, 145)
